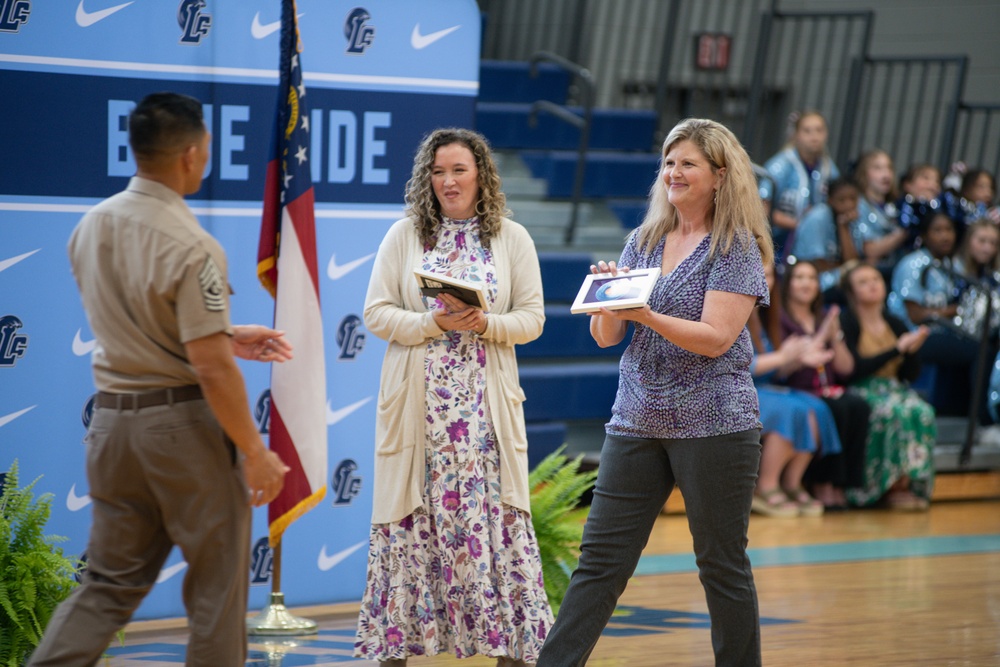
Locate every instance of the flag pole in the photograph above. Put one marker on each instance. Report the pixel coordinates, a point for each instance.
(297, 423)
(275, 619)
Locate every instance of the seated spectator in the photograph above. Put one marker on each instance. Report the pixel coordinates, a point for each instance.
(920, 197)
(803, 315)
(899, 454)
(974, 198)
(877, 234)
(800, 173)
(978, 261)
(824, 235)
(926, 290)
(797, 425)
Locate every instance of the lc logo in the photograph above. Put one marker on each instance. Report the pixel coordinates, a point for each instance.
(262, 412)
(14, 14)
(350, 338)
(261, 562)
(344, 483)
(359, 36)
(88, 411)
(12, 345)
(194, 24)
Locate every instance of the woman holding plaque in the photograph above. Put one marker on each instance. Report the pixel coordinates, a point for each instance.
(453, 565)
(686, 412)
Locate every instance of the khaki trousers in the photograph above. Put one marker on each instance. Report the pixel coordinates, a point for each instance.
(159, 476)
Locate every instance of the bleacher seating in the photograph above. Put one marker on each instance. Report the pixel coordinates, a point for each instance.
(629, 211)
(565, 375)
(607, 174)
(563, 391)
(511, 81)
(562, 273)
(506, 124)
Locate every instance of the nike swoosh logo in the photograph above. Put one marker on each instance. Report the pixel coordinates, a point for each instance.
(82, 347)
(7, 263)
(6, 419)
(329, 562)
(75, 503)
(334, 416)
(261, 30)
(419, 41)
(337, 271)
(171, 571)
(85, 19)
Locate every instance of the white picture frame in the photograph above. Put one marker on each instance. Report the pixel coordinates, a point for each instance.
(624, 290)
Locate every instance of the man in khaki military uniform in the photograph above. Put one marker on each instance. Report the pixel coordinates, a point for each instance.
(171, 405)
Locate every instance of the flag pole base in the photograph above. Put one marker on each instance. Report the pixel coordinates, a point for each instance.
(275, 620)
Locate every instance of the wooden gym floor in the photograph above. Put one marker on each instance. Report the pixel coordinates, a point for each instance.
(870, 588)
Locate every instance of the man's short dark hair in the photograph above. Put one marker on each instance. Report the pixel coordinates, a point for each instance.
(164, 122)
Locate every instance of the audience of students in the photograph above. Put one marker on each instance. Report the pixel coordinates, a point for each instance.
(937, 241)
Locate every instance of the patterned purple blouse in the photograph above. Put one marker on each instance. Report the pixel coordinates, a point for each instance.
(665, 391)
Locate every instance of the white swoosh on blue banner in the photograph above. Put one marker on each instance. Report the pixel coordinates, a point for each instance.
(7, 263)
(261, 30)
(334, 416)
(6, 419)
(168, 572)
(82, 347)
(85, 19)
(336, 271)
(75, 503)
(325, 562)
(419, 41)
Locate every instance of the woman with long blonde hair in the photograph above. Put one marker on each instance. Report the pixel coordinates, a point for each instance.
(686, 410)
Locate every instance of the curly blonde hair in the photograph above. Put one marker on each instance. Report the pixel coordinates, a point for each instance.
(423, 206)
(737, 213)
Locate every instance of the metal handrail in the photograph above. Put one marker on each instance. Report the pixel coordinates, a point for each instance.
(564, 113)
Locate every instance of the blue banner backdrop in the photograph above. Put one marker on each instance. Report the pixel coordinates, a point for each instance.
(378, 76)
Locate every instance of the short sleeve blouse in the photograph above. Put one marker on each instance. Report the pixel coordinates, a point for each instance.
(665, 391)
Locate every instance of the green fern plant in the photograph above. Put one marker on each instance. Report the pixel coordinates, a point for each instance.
(556, 488)
(34, 575)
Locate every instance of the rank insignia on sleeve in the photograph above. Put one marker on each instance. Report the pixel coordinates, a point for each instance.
(213, 287)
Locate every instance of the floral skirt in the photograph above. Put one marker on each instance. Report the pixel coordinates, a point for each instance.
(462, 574)
(901, 436)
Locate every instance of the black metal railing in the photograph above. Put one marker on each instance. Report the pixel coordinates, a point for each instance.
(582, 122)
(976, 140)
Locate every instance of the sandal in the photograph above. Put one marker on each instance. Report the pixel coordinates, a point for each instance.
(906, 501)
(806, 504)
(773, 503)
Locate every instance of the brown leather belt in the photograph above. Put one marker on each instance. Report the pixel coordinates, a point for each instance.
(148, 399)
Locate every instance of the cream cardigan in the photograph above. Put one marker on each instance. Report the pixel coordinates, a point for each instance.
(395, 312)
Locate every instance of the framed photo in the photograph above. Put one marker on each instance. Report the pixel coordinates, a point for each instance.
(431, 284)
(625, 290)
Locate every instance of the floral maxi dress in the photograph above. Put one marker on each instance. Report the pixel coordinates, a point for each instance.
(462, 574)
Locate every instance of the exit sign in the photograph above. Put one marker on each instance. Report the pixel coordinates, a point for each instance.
(712, 51)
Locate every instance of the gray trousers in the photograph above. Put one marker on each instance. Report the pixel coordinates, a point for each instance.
(716, 476)
(159, 476)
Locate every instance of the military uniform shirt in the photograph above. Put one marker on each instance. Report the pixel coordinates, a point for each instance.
(151, 280)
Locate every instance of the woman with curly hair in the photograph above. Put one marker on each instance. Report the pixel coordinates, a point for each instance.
(453, 565)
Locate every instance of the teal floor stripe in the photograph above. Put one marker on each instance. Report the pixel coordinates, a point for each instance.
(839, 552)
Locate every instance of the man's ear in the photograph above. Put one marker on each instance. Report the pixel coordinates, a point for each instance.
(188, 156)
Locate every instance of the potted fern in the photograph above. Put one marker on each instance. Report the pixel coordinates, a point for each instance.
(34, 575)
(556, 488)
